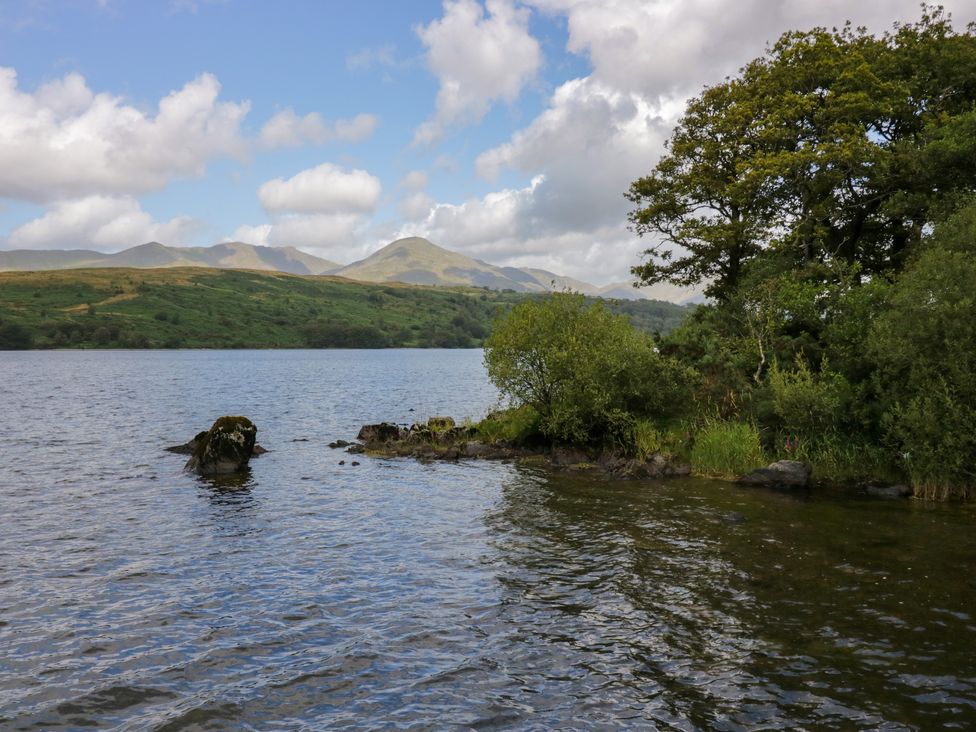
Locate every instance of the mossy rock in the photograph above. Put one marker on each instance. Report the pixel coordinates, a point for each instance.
(225, 448)
(440, 424)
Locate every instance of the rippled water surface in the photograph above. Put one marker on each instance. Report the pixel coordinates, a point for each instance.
(395, 594)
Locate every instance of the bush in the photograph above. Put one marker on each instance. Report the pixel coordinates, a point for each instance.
(344, 335)
(15, 337)
(811, 406)
(726, 449)
(586, 372)
(925, 349)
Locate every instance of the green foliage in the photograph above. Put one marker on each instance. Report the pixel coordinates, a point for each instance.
(197, 308)
(813, 406)
(726, 449)
(587, 372)
(925, 348)
(344, 335)
(834, 146)
(516, 426)
(14, 337)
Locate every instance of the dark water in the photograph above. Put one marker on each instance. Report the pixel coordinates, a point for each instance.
(396, 594)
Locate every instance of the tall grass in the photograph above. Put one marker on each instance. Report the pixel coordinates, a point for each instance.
(834, 458)
(726, 449)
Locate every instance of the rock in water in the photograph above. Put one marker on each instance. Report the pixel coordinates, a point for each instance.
(226, 448)
(781, 474)
(378, 433)
(187, 448)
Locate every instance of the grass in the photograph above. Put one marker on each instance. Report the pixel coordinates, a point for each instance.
(726, 449)
(192, 307)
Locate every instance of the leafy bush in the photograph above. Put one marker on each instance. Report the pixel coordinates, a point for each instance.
(925, 348)
(811, 406)
(344, 335)
(587, 372)
(15, 337)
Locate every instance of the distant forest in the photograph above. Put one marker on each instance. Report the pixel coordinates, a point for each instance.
(205, 308)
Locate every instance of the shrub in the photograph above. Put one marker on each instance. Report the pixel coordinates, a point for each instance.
(587, 373)
(344, 335)
(811, 406)
(15, 337)
(925, 349)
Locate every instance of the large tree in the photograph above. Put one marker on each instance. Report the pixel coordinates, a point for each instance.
(834, 146)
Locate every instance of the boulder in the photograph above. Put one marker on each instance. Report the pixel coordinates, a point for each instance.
(781, 474)
(225, 448)
(890, 491)
(355, 449)
(339, 443)
(382, 432)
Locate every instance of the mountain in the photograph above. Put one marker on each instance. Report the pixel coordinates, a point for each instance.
(232, 255)
(417, 261)
(412, 260)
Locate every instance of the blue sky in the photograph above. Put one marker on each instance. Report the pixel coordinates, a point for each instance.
(504, 130)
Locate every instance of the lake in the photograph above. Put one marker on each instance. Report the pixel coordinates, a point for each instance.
(315, 595)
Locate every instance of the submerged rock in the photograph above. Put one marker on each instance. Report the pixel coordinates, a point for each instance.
(225, 448)
(890, 491)
(781, 474)
(339, 443)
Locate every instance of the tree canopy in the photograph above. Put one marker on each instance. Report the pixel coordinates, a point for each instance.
(835, 146)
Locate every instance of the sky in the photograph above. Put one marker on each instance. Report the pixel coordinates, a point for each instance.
(508, 131)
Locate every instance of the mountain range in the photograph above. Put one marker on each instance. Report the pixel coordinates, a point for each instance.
(412, 260)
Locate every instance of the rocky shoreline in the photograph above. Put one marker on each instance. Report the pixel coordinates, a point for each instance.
(440, 438)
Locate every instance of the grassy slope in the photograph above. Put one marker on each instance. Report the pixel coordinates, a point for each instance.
(208, 308)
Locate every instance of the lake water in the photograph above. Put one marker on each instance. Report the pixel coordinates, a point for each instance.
(396, 594)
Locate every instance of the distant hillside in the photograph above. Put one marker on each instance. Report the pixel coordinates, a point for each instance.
(412, 261)
(194, 307)
(233, 255)
(419, 262)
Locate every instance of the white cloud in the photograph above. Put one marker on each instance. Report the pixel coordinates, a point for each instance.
(257, 235)
(671, 48)
(478, 58)
(367, 58)
(415, 206)
(356, 129)
(105, 223)
(601, 132)
(335, 236)
(64, 141)
(415, 180)
(287, 129)
(323, 189)
(322, 210)
(589, 144)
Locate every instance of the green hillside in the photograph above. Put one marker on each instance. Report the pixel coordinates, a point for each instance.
(192, 307)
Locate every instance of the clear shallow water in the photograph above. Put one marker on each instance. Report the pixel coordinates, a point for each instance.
(396, 594)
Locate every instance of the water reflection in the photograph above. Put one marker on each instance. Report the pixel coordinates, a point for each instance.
(718, 621)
